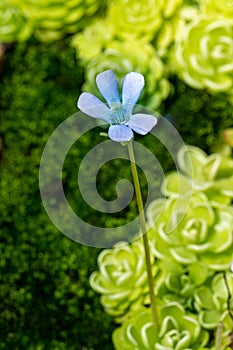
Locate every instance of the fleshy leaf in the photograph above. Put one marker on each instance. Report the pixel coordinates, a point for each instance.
(183, 256)
(175, 184)
(203, 298)
(209, 319)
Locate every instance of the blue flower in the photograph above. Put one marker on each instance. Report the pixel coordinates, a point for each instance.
(118, 114)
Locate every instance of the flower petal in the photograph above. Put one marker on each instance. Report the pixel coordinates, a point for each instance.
(120, 133)
(107, 84)
(91, 105)
(142, 123)
(132, 87)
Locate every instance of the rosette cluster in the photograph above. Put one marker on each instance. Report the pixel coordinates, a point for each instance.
(192, 229)
(210, 174)
(52, 20)
(203, 54)
(178, 330)
(192, 40)
(143, 19)
(14, 26)
(122, 279)
(140, 18)
(191, 240)
(195, 223)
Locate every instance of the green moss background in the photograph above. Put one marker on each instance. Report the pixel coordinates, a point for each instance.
(45, 298)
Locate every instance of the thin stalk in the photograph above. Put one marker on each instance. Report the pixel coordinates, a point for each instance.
(218, 339)
(144, 232)
(228, 295)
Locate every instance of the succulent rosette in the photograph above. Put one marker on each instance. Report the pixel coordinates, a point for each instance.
(166, 36)
(122, 278)
(154, 20)
(53, 19)
(191, 229)
(140, 18)
(174, 15)
(161, 30)
(126, 56)
(223, 8)
(137, 332)
(203, 54)
(93, 39)
(212, 302)
(181, 281)
(13, 24)
(144, 19)
(178, 330)
(213, 175)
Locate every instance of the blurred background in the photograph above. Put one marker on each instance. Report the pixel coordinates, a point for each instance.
(51, 51)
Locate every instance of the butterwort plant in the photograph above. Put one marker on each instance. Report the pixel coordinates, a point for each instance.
(118, 113)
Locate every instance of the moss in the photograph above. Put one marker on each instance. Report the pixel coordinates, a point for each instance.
(46, 300)
(199, 116)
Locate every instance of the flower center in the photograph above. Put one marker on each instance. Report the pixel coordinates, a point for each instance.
(119, 114)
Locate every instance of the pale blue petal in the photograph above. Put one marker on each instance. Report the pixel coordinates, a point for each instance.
(107, 84)
(131, 90)
(142, 123)
(120, 133)
(91, 105)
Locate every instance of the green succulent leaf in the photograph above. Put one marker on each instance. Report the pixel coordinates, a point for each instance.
(221, 9)
(198, 273)
(204, 299)
(210, 319)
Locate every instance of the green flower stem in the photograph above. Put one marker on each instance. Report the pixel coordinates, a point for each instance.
(218, 339)
(144, 232)
(228, 295)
